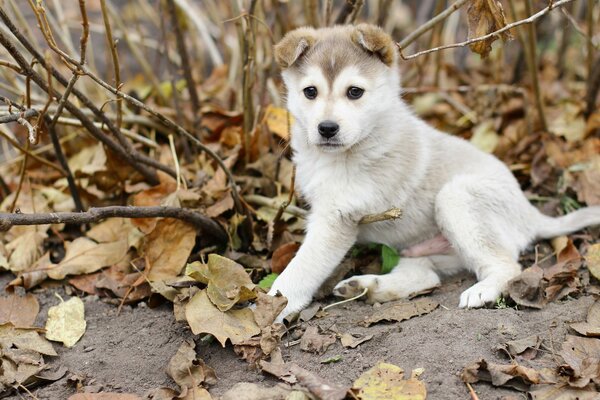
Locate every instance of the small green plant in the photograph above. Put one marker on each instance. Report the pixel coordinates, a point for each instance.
(389, 258)
(501, 303)
(267, 281)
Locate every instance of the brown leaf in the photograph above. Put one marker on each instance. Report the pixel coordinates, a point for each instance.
(187, 370)
(19, 310)
(24, 339)
(386, 381)
(279, 370)
(252, 391)
(155, 196)
(268, 308)
(313, 342)
(34, 275)
(351, 341)
(563, 392)
(400, 310)
(282, 256)
(513, 375)
(592, 259)
(484, 17)
(591, 327)
(85, 283)
(222, 205)
(588, 183)
(526, 347)
(204, 317)
(318, 386)
(104, 396)
(228, 282)
(583, 357)
(84, 256)
(167, 248)
(25, 249)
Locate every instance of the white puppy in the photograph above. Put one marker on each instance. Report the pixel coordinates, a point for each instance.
(359, 150)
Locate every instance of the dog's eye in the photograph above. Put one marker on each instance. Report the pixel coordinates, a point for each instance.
(355, 92)
(310, 92)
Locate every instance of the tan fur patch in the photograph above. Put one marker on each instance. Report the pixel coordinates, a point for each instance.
(372, 38)
(293, 45)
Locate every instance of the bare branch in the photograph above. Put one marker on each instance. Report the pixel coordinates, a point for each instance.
(205, 224)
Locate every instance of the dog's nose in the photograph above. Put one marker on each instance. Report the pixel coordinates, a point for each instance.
(328, 129)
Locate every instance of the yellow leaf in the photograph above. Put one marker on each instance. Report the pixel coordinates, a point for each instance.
(485, 136)
(386, 381)
(66, 322)
(593, 260)
(84, 256)
(277, 121)
(204, 317)
(228, 282)
(25, 249)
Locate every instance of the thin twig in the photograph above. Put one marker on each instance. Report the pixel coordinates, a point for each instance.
(112, 45)
(497, 33)
(472, 391)
(533, 67)
(391, 214)
(358, 296)
(207, 225)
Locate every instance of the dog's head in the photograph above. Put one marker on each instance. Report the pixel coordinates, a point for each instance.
(339, 81)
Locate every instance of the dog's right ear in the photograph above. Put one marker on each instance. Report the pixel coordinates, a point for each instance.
(293, 45)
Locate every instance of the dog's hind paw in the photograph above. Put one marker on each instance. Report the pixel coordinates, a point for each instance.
(354, 286)
(479, 295)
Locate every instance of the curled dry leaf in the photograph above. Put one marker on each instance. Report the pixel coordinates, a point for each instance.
(66, 322)
(228, 282)
(563, 391)
(104, 396)
(318, 386)
(268, 308)
(352, 341)
(204, 317)
(278, 121)
(19, 310)
(401, 310)
(167, 248)
(527, 347)
(25, 249)
(24, 339)
(313, 342)
(386, 381)
(484, 17)
(590, 328)
(252, 391)
(84, 256)
(34, 275)
(582, 356)
(512, 375)
(282, 256)
(187, 370)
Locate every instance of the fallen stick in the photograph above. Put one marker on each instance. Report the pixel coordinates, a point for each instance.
(205, 224)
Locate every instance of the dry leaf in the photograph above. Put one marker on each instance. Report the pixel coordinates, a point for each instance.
(513, 375)
(318, 386)
(527, 347)
(84, 256)
(313, 342)
(24, 339)
(25, 249)
(19, 310)
(187, 370)
(485, 16)
(386, 381)
(282, 256)
(563, 392)
(350, 341)
(591, 327)
(278, 121)
(104, 396)
(252, 391)
(400, 310)
(268, 308)
(66, 322)
(583, 357)
(592, 259)
(155, 196)
(167, 248)
(204, 317)
(228, 282)
(588, 183)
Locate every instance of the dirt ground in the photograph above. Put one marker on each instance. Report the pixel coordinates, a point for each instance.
(129, 352)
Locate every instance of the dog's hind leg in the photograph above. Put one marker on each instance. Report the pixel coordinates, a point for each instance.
(483, 220)
(411, 275)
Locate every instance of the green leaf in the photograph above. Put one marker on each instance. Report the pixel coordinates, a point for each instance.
(389, 258)
(267, 281)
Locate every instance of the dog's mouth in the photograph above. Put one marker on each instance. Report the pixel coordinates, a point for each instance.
(330, 146)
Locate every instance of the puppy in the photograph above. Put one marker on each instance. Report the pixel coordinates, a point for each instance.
(359, 149)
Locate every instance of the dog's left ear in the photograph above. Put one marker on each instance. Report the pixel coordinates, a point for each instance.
(293, 45)
(374, 40)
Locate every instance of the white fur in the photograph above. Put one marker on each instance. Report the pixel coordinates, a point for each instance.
(390, 158)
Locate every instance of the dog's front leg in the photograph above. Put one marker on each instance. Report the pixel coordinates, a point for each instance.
(328, 238)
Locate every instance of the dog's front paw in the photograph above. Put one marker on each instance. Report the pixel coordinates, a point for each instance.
(296, 301)
(354, 286)
(480, 294)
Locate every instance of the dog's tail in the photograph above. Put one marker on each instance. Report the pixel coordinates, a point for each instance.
(549, 227)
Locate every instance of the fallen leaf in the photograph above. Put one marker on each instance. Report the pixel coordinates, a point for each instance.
(268, 308)
(252, 391)
(34, 275)
(582, 355)
(278, 121)
(187, 370)
(24, 339)
(484, 17)
(563, 391)
(318, 386)
(400, 310)
(167, 248)
(204, 317)
(228, 282)
(85, 283)
(386, 381)
(588, 183)
(592, 258)
(19, 310)
(512, 375)
(351, 341)
(527, 347)
(25, 249)
(104, 396)
(84, 256)
(591, 327)
(155, 196)
(313, 342)
(66, 322)
(282, 256)
(485, 136)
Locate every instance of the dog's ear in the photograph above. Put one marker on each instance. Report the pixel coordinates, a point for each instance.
(293, 45)
(374, 40)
